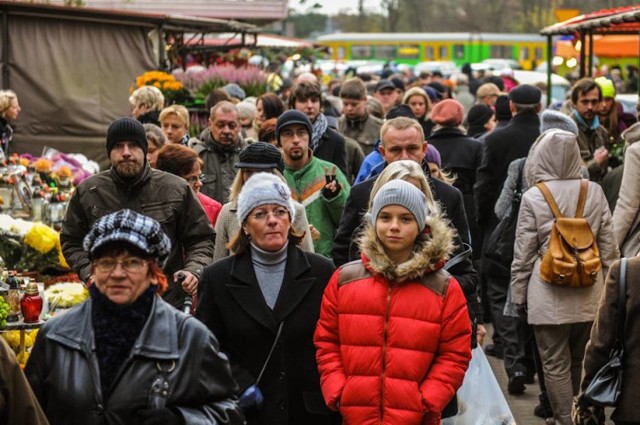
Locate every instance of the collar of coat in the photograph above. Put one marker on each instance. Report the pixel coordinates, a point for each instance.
(430, 252)
(157, 340)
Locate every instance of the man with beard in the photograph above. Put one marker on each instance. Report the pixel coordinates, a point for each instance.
(131, 183)
(317, 184)
(219, 148)
(593, 139)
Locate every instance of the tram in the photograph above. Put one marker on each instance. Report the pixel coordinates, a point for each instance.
(528, 50)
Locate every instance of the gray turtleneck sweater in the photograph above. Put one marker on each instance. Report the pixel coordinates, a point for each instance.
(269, 268)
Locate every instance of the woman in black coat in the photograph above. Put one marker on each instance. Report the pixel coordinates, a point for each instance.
(263, 304)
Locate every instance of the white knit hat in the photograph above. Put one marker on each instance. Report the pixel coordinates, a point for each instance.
(263, 189)
(400, 192)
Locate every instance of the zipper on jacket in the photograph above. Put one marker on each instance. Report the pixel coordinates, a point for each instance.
(384, 351)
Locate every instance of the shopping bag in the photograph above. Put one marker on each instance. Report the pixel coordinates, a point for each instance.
(480, 399)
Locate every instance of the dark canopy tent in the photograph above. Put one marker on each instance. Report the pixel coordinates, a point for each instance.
(72, 68)
(617, 21)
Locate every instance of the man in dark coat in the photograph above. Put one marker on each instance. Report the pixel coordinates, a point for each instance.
(219, 148)
(131, 183)
(344, 247)
(501, 147)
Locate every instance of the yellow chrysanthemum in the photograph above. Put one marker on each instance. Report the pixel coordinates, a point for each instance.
(42, 238)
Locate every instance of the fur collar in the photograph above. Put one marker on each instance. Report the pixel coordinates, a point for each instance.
(430, 252)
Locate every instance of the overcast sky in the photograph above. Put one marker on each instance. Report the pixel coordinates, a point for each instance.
(332, 7)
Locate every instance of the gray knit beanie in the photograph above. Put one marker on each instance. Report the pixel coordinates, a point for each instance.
(400, 192)
(554, 119)
(262, 189)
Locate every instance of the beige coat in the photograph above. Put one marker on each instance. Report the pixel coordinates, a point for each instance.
(629, 197)
(555, 160)
(227, 226)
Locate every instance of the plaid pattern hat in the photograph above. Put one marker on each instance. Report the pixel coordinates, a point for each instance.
(130, 227)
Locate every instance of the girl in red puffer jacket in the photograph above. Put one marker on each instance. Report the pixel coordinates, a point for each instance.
(393, 339)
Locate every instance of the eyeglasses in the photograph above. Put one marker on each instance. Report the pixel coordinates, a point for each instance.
(130, 264)
(287, 133)
(193, 179)
(261, 215)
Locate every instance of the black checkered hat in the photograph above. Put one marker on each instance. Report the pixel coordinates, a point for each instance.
(131, 227)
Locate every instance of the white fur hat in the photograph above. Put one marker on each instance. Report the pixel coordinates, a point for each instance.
(262, 189)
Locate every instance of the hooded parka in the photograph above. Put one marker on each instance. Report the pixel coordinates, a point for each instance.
(555, 160)
(393, 340)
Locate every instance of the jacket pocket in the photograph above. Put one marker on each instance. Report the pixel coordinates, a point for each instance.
(314, 403)
(163, 212)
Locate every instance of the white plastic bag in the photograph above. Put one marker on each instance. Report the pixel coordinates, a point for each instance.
(480, 399)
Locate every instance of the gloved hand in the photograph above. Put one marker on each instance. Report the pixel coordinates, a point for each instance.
(332, 188)
(251, 399)
(160, 417)
(522, 311)
(584, 414)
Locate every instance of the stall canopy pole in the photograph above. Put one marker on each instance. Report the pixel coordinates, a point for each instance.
(582, 55)
(5, 49)
(549, 67)
(590, 72)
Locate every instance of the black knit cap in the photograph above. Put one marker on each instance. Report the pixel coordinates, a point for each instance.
(261, 155)
(126, 130)
(479, 114)
(289, 117)
(525, 94)
(503, 112)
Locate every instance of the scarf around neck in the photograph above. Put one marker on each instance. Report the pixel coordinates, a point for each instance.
(319, 128)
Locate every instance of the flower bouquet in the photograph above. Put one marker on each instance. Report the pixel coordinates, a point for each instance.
(172, 89)
(29, 246)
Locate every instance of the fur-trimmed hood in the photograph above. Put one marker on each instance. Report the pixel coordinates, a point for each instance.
(430, 252)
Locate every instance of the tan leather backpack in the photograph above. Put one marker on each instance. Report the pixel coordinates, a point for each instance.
(573, 257)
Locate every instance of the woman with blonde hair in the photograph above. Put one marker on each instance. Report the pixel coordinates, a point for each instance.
(257, 157)
(418, 100)
(9, 110)
(147, 102)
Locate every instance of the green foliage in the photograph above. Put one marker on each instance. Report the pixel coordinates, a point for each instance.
(307, 23)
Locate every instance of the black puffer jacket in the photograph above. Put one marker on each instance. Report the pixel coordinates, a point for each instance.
(159, 195)
(63, 371)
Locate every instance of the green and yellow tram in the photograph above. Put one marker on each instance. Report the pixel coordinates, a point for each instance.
(411, 48)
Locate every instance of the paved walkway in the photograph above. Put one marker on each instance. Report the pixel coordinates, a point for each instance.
(521, 406)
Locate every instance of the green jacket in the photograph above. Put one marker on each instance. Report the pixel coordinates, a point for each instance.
(324, 214)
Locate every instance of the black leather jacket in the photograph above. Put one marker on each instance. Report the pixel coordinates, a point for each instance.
(63, 371)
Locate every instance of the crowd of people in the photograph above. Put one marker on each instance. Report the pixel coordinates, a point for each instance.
(343, 248)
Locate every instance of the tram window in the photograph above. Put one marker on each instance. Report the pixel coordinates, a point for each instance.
(501, 51)
(408, 51)
(524, 53)
(428, 53)
(444, 53)
(385, 52)
(361, 52)
(458, 51)
(341, 52)
(538, 53)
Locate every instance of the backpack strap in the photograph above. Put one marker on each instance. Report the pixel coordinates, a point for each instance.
(549, 198)
(582, 199)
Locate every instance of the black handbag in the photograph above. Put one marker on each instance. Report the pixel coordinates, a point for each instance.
(498, 251)
(604, 388)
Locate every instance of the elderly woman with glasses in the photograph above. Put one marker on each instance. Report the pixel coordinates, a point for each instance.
(184, 162)
(263, 303)
(125, 356)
